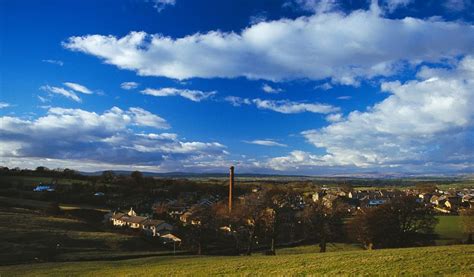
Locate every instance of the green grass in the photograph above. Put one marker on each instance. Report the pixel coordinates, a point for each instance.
(331, 247)
(449, 230)
(429, 261)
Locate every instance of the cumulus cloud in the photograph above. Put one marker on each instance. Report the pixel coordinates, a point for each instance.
(108, 139)
(290, 107)
(61, 91)
(334, 117)
(269, 89)
(78, 87)
(343, 47)
(4, 105)
(423, 123)
(193, 95)
(266, 142)
(129, 85)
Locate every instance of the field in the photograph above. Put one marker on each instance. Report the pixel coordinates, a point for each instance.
(449, 230)
(29, 234)
(441, 260)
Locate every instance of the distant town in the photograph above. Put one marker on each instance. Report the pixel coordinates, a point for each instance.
(240, 217)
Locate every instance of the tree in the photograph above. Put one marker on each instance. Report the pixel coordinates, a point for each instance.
(278, 214)
(202, 229)
(41, 169)
(467, 223)
(248, 218)
(108, 176)
(323, 222)
(425, 187)
(137, 176)
(401, 222)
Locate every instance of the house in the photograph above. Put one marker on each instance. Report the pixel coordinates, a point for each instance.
(116, 219)
(154, 227)
(170, 238)
(134, 222)
(41, 188)
(453, 202)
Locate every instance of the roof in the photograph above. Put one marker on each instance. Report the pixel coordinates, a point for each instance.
(133, 219)
(171, 237)
(153, 222)
(117, 215)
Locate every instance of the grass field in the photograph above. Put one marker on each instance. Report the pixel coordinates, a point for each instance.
(28, 234)
(429, 261)
(449, 230)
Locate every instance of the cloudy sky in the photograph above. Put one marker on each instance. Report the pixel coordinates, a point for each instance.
(281, 86)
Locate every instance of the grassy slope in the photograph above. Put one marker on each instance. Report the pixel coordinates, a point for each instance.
(28, 234)
(446, 260)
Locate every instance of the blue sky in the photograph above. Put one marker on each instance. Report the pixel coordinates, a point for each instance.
(290, 86)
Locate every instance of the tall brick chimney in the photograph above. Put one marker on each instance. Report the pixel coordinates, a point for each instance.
(231, 187)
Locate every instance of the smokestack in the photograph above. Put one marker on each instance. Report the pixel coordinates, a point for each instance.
(231, 187)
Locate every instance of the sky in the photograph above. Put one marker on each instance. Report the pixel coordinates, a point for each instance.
(312, 87)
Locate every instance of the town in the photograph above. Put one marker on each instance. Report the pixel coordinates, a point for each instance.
(189, 208)
(240, 217)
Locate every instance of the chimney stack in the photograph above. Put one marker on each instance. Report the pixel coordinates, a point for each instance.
(231, 187)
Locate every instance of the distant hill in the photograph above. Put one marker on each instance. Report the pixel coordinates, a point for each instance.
(367, 175)
(190, 174)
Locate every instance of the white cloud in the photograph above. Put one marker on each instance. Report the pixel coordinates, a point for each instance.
(260, 17)
(422, 122)
(317, 6)
(266, 142)
(335, 117)
(294, 161)
(129, 85)
(80, 137)
(268, 89)
(325, 86)
(289, 107)
(193, 95)
(61, 91)
(141, 117)
(344, 97)
(160, 5)
(237, 101)
(4, 105)
(343, 47)
(458, 5)
(282, 106)
(56, 62)
(392, 5)
(78, 87)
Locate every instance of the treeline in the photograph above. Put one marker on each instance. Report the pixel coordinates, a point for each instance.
(275, 217)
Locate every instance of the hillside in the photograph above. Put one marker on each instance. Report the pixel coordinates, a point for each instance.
(446, 260)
